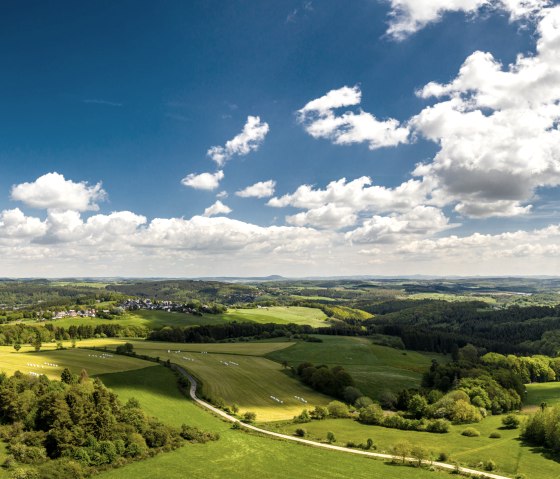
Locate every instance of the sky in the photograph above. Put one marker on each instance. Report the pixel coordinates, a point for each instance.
(300, 138)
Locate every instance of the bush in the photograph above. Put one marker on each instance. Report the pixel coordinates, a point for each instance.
(303, 417)
(443, 457)
(470, 432)
(300, 432)
(495, 435)
(193, 434)
(490, 465)
(331, 437)
(338, 409)
(319, 413)
(439, 426)
(372, 414)
(511, 421)
(249, 416)
(362, 402)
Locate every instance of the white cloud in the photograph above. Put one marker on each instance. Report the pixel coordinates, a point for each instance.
(222, 195)
(409, 16)
(325, 216)
(250, 139)
(320, 121)
(421, 220)
(203, 181)
(262, 189)
(14, 224)
(218, 208)
(53, 191)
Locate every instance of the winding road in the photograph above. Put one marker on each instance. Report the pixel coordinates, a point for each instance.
(228, 417)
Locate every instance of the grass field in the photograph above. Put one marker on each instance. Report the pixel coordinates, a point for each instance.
(248, 380)
(155, 319)
(73, 359)
(508, 452)
(374, 368)
(542, 392)
(236, 454)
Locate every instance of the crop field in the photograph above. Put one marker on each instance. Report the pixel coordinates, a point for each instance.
(236, 454)
(508, 452)
(52, 362)
(252, 382)
(374, 368)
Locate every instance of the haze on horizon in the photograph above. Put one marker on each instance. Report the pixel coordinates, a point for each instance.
(304, 138)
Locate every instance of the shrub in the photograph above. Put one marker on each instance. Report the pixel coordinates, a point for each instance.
(439, 426)
(300, 432)
(470, 432)
(338, 409)
(331, 437)
(249, 416)
(443, 457)
(372, 414)
(495, 435)
(193, 434)
(489, 465)
(303, 417)
(511, 421)
(362, 402)
(319, 413)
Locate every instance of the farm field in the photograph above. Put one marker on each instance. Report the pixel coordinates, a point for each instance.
(508, 452)
(374, 368)
(236, 454)
(74, 359)
(252, 382)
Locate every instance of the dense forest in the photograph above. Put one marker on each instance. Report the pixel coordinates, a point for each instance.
(75, 427)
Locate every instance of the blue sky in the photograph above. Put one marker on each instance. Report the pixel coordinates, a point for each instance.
(118, 102)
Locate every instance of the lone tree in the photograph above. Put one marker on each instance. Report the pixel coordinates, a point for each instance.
(17, 346)
(402, 449)
(331, 437)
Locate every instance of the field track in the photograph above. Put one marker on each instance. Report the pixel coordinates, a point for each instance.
(219, 412)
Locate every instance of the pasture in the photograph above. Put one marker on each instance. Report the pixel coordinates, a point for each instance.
(156, 319)
(52, 362)
(237, 454)
(538, 393)
(252, 382)
(374, 368)
(508, 452)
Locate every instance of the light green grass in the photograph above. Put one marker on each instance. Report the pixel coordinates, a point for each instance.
(452, 298)
(237, 455)
(278, 314)
(156, 319)
(538, 393)
(73, 359)
(509, 453)
(374, 368)
(249, 383)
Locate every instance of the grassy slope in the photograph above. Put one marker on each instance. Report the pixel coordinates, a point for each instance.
(542, 392)
(249, 383)
(374, 368)
(158, 319)
(73, 359)
(511, 456)
(236, 454)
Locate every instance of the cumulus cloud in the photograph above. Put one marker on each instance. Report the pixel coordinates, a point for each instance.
(53, 191)
(203, 181)
(421, 220)
(218, 208)
(338, 204)
(262, 189)
(250, 139)
(321, 121)
(14, 224)
(409, 16)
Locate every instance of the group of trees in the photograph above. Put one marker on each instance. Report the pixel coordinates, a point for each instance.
(74, 427)
(26, 334)
(332, 381)
(543, 428)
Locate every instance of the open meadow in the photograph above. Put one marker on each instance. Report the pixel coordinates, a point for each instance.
(374, 368)
(508, 452)
(156, 319)
(237, 454)
(538, 393)
(237, 374)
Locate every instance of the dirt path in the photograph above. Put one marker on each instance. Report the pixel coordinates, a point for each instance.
(219, 412)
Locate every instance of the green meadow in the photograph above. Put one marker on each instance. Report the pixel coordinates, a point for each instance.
(374, 368)
(237, 454)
